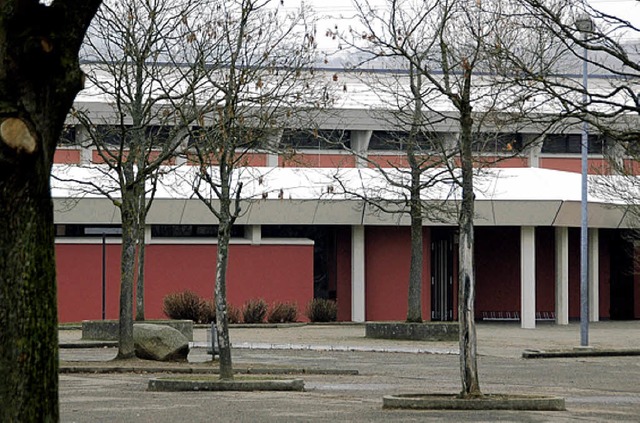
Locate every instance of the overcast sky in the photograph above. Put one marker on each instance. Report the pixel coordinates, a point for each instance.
(627, 9)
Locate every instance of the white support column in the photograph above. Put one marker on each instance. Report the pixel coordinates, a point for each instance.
(360, 144)
(528, 277)
(273, 145)
(357, 274)
(147, 234)
(533, 144)
(594, 275)
(86, 149)
(254, 234)
(562, 276)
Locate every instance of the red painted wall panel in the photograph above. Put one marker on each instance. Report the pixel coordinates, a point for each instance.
(271, 272)
(79, 273)
(387, 261)
(545, 269)
(66, 156)
(497, 269)
(306, 159)
(573, 164)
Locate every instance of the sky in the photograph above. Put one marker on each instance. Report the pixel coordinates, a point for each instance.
(627, 9)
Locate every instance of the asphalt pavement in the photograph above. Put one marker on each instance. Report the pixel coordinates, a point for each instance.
(595, 388)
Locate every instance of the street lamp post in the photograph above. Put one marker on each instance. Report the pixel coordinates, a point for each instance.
(584, 24)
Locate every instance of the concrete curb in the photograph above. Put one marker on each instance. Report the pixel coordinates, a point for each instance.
(294, 347)
(88, 344)
(487, 402)
(579, 352)
(175, 385)
(426, 331)
(343, 348)
(203, 371)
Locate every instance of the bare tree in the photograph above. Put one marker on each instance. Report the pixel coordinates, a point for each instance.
(132, 50)
(39, 78)
(256, 60)
(610, 104)
(449, 54)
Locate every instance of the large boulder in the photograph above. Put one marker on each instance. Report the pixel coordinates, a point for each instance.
(159, 342)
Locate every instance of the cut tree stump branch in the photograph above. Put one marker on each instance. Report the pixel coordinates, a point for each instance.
(16, 134)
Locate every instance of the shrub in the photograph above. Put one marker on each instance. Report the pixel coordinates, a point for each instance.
(283, 313)
(207, 311)
(185, 305)
(233, 314)
(254, 311)
(322, 310)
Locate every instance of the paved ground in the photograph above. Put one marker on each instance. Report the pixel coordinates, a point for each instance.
(595, 388)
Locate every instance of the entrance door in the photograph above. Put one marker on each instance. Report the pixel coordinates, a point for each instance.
(441, 274)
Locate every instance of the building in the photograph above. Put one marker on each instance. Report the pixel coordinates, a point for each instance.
(301, 236)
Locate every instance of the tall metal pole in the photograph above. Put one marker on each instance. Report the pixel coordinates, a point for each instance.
(585, 25)
(104, 275)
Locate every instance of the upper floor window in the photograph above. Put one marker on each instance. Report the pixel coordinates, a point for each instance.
(322, 139)
(87, 231)
(192, 231)
(399, 141)
(571, 144)
(210, 138)
(497, 143)
(155, 135)
(68, 136)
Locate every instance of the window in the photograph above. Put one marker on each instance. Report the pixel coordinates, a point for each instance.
(159, 135)
(323, 139)
(398, 140)
(88, 231)
(192, 231)
(109, 134)
(246, 138)
(68, 136)
(497, 143)
(571, 144)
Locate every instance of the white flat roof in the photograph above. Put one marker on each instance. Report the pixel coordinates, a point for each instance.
(504, 196)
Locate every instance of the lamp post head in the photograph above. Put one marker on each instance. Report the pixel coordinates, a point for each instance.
(584, 23)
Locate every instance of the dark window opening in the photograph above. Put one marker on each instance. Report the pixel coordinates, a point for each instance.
(68, 136)
(193, 231)
(497, 143)
(208, 138)
(159, 135)
(87, 231)
(571, 144)
(110, 134)
(322, 139)
(399, 140)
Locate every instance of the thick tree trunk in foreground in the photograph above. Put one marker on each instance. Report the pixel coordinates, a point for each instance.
(28, 312)
(39, 78)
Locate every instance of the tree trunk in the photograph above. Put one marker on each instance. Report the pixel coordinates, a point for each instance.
(222, 318)
(142, 214)
(466, 281)
(414, 309)
(28, 313)
(127, 270)
(39, 78)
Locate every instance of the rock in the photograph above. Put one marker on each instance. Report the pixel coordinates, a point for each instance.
(159, 342)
